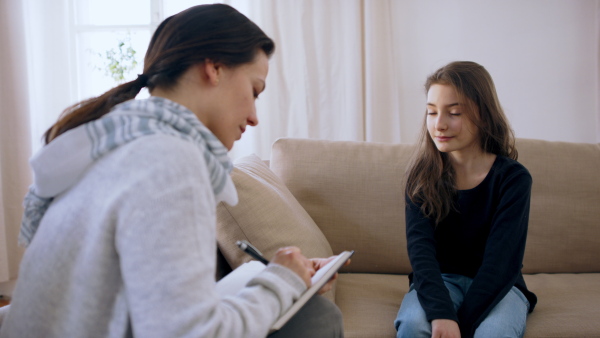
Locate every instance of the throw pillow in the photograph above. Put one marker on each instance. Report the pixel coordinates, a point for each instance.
(267, 215)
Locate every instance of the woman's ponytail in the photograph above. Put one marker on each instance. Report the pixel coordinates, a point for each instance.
(94, 108)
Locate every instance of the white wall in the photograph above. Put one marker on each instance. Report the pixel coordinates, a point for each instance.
(542, 54)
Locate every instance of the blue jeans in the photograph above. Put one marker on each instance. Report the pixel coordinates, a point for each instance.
(507, 318)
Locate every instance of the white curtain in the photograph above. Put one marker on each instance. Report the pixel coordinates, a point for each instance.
(51, 68)
(381, 86)
(332, 76)
(14, 135)
(316, 76)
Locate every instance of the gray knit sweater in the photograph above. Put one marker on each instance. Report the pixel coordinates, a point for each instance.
(130, 250)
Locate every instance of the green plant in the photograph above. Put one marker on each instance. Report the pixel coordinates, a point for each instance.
(119, 61)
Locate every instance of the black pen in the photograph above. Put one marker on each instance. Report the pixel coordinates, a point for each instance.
(252, 251)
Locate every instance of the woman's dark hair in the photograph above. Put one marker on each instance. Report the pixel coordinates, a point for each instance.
(431, 180)
(207, 32)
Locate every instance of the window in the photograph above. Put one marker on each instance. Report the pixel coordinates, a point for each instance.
(110, 38)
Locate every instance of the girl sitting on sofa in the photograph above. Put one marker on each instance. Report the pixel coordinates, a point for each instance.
(120, 222)
(467, 210)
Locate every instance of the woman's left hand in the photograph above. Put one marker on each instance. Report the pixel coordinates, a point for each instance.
(321, 262)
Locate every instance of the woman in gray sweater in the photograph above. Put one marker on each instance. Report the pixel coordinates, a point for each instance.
(120, 221)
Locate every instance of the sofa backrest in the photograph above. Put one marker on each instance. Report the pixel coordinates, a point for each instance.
(564, 221)
(354, 191)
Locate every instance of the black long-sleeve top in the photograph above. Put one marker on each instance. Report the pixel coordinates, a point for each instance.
(484, 239)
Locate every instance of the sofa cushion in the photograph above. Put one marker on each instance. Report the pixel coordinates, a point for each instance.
(567, 305)
(370, 303)
(267, 215)
(355, 193)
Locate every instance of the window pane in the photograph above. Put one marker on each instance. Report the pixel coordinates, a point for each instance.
(106, 59)
(172, 7)
(112, 12)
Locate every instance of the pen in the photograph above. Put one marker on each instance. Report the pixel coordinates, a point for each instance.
(252, 251)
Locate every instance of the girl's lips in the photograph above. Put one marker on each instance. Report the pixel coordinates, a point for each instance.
(443, 138)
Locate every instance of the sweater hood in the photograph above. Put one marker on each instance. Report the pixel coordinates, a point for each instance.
(61, 163)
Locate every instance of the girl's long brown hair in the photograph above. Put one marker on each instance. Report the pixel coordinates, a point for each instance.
(431, 178)
(207, 32)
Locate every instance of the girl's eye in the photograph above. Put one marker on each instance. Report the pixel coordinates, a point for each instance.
(431, 113)
(455, 114)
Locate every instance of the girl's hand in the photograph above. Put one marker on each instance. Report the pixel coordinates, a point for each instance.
(444, 328)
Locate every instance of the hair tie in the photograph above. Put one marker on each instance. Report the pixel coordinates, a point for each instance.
(142, 79)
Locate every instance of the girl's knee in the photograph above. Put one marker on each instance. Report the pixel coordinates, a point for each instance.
(491, 329)
(412, 324)
(507, 319)
(411, 320)
(409, 329)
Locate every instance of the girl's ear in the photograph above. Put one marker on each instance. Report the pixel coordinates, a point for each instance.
(211, 71)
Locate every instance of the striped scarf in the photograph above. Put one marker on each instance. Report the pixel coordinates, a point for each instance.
(61, 163)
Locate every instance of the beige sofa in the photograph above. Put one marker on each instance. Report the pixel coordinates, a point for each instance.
(327, 197)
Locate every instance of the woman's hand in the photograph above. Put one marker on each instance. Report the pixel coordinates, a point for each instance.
(292, 258)
(321, 262)
(444, 328)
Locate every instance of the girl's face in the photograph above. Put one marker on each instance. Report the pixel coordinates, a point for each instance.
(448, 123)
(235, 99)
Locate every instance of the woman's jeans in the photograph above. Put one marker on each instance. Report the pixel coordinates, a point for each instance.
(507, 318)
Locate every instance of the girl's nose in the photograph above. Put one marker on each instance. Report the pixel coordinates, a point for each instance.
(440, 123)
